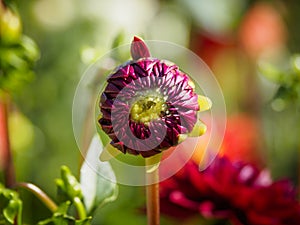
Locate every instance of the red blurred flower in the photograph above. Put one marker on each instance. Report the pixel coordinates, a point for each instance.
(209, 48)
(236, 191)
(242, 140)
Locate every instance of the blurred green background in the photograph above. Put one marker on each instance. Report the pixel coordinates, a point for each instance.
(233, 37)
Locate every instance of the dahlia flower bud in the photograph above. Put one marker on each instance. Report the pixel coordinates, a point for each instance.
(149, 105)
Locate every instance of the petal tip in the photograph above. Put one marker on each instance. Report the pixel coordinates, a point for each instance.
(136, 38)
(139, 49)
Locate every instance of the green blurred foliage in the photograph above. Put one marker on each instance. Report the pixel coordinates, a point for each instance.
(47, 104)
(18, 52)
(280, 117)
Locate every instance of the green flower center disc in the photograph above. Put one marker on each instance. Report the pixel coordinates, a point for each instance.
(147, 109)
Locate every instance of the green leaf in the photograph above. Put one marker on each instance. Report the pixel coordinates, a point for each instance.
(96, 189)
(11, 211)
(10, 205)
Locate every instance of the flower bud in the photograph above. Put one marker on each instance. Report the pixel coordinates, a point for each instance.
(149, 105)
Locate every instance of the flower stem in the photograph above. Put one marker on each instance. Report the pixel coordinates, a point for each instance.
(152, 195)
(49, 203)
(6, 162)
(79, 207)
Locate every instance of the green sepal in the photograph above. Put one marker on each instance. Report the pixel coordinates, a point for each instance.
(204, 103)
(198, 130)
(108, 153)
(153, 163)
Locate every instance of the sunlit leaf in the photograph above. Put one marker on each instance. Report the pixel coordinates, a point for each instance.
(96, 189)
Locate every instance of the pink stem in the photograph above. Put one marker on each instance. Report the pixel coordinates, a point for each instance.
(6, 162)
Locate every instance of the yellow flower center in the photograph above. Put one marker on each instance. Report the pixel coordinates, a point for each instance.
(147, 109)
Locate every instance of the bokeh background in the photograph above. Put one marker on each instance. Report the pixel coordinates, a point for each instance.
(234, 37)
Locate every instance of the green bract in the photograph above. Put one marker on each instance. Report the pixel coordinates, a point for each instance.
(68, 186)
